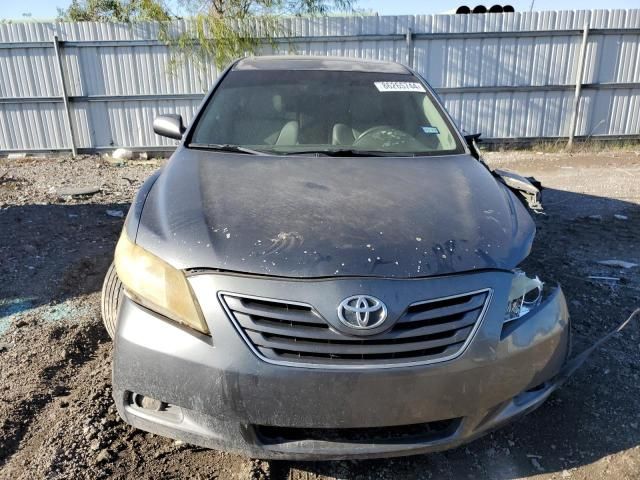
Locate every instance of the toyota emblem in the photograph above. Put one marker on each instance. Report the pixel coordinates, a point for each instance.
(362, 312)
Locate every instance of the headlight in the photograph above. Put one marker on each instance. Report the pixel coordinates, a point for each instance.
(157, 285)
(525, 295)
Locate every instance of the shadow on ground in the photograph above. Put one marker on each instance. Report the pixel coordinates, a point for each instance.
(54, 252)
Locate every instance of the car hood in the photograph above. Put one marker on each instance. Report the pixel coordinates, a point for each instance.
(307, 216)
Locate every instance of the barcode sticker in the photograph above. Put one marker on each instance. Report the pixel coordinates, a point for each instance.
(399, 87)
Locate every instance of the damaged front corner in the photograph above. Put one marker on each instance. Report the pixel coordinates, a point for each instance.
(527, 189)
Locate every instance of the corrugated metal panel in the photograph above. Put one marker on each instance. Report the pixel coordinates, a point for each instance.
(504, 56)
(28, 126)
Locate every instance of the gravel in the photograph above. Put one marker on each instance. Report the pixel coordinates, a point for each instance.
(57, 419)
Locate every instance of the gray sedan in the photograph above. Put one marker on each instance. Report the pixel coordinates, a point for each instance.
(326, 269)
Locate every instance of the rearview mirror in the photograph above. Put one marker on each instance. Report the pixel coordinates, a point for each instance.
(169, 125)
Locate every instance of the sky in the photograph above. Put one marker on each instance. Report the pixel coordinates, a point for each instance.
(46, 9)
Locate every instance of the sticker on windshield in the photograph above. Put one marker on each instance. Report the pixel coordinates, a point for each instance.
(431, 130)
(399, 87)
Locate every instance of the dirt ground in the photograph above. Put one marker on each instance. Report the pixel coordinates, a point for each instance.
(56, 415)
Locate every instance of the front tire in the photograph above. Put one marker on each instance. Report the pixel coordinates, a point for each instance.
(112, 291)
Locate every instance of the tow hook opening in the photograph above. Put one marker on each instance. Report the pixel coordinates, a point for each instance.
(537, 388)
(531, 394)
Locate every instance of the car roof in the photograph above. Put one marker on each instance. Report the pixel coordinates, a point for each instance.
(307, 62)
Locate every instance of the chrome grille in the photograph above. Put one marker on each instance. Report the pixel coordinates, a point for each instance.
(296, 334)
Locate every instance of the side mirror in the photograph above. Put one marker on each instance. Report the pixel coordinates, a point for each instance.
(472, 140)
(169, 125)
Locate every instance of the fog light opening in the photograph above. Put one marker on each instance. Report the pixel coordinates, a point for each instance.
(147, 403)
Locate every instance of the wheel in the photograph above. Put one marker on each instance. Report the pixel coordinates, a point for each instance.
(112, 290)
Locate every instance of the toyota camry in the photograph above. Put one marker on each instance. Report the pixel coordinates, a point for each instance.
(326, 268)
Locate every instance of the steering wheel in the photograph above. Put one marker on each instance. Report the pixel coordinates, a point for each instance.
(384, 136)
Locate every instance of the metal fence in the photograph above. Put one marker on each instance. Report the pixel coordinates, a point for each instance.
(92, 86)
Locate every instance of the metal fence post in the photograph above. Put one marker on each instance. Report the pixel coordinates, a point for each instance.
(65, 97)
(409, 43)
(579, 74)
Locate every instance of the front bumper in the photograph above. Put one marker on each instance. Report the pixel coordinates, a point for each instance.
(219, 394)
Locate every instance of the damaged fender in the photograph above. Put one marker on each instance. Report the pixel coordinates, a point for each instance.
(526, 189)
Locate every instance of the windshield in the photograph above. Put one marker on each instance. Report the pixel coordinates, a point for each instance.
(339, 112)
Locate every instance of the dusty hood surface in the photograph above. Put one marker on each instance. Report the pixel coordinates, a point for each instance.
(325, 216)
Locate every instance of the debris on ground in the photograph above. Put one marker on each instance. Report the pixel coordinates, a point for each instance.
(609, 279)
(7, 178)
(115, 213)
(77, 191)
(536, 463)
(115, 162)
(122, 154)
(617, 263)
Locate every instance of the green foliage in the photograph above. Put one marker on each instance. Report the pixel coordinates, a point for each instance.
(217, 31)
(222, 30)
(219, 39)
(243, 8)
(114, 11)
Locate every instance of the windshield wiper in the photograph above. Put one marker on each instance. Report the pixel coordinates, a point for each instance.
(347, 152)
(226, 147)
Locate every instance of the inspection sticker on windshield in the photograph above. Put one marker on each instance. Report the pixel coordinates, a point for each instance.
(399, 87)
(431, 130)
